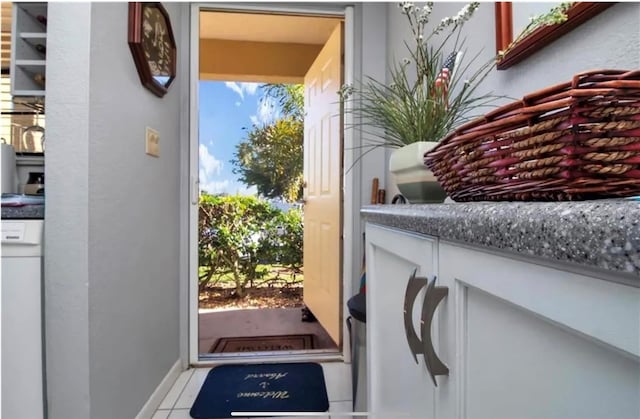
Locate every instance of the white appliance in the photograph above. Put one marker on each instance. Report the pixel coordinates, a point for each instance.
(8, 168)
(22, 338)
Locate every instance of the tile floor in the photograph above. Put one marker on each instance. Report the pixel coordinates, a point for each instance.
(213, 325)
(178, 401)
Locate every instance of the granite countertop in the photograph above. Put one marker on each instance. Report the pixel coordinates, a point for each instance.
(603, 234)
(20, 206)
(23, 213)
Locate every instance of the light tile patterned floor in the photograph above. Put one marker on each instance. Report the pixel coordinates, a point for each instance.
(178, 401)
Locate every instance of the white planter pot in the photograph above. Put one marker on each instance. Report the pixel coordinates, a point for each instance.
(414, 180)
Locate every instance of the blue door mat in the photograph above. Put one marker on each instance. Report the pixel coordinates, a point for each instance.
(283, 387)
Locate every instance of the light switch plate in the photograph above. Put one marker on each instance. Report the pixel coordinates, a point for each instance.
(152, 142)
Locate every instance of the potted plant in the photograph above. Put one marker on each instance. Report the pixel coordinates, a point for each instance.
(429, 93)
(424, 99)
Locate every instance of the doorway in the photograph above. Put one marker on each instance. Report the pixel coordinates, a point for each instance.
(233, 48)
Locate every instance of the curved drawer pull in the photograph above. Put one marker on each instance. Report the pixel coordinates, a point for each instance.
(413, 288)
(432, 298)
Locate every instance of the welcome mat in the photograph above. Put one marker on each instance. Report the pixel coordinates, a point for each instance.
(268, 388)
(263, 343)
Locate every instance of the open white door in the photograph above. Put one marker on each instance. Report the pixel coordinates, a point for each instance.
(322, 192)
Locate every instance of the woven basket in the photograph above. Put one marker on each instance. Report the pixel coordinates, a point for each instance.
(573, 141)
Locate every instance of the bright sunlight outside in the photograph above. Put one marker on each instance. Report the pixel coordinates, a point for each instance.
(250, 173)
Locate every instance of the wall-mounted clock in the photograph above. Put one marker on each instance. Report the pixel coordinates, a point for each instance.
(152, 45)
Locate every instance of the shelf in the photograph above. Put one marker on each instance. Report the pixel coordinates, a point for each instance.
(33, 35)
(29, 93)
(34, 9)
(35, 64)
(28, 48)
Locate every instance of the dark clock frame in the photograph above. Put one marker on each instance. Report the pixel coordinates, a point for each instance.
(135, 44)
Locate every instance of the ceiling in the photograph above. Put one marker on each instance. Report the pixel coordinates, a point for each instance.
(229, 26)
(266, 27)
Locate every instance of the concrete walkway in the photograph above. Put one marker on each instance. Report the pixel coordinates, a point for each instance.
(257, 322)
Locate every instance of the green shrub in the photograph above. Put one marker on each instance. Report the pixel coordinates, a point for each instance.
(284, 234)
(236, 233)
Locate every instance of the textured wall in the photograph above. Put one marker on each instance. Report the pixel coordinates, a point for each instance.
(133, 222)
(66, 252)
(609, 40)
(112, 221)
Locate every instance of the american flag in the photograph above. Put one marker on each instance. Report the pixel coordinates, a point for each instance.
(444, 77)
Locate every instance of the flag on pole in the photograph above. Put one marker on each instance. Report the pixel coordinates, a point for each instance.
(444, 77)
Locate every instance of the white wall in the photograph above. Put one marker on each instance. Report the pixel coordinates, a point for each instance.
(609, 40)
(370, 20)
(66, 252)
(112, 217)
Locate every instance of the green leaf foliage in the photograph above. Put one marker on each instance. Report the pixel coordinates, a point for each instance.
(270, 157)
(290, 97)
(429, 92)
(237, 233)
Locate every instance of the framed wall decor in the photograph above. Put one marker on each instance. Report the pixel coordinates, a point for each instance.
(578, 13)
(152, 45)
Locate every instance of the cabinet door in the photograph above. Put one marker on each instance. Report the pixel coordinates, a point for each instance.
(529, 341)
(397, 384)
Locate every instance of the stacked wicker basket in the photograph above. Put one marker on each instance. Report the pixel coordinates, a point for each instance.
(576, 140)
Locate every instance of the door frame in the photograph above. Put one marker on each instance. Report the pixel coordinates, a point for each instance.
(352, 190)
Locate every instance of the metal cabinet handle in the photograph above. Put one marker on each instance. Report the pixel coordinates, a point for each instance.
(413, 288)
(432, 298)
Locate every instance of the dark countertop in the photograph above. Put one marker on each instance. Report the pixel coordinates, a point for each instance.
(26, 212)
(20, 206)
(603, 234)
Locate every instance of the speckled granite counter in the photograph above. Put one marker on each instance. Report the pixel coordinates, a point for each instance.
(26, 212)
(20, 206)
(603, 234)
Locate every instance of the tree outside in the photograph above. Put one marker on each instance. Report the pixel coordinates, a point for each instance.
(270, 157)
(238, 234)
(248, 246)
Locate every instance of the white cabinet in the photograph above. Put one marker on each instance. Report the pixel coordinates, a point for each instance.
(529, 341)
(28, 49)
(397, 385)
(520, 340)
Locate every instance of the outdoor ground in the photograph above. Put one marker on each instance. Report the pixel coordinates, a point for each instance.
(280, 288)
(280, 296)
(264, 297)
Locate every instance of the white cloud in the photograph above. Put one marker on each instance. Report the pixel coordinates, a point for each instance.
(242, 189)
(235, 87)
(238, 103)
(242, 88)
(214, 187)
(266, 112)
(210, 167)
(250, 88)
(209, 176)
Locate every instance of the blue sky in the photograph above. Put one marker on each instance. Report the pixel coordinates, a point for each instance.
(225, 108)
